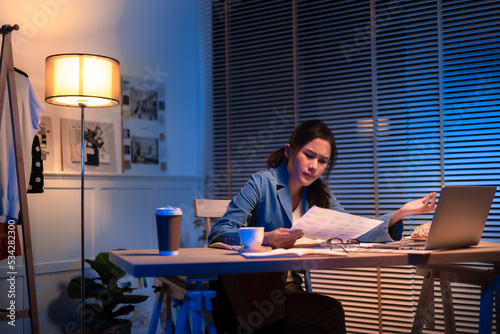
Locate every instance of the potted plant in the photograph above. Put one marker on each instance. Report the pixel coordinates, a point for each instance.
(102, 313)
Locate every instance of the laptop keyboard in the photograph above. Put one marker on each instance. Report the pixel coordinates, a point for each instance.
(401, 245)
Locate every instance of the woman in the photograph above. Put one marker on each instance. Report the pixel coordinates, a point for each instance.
(279, 196)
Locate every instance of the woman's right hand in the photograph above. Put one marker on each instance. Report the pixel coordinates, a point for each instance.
(282, 238)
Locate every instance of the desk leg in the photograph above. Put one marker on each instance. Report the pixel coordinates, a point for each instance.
(168, 306)
(497, 303)
(208, 295)
(425, 308)
(489, 293)
(157, 310)
(195, 304)
(449, 314)
(486, 309)
(182, 325)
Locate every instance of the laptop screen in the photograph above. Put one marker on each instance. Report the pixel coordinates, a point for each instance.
(460, 216)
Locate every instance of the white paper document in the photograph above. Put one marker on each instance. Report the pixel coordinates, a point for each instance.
(324, 224)
(294, 252)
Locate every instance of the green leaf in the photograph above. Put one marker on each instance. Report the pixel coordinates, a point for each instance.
(105, 269)
(198, 222)
(124, 310)
(131, 299)
(91, 288)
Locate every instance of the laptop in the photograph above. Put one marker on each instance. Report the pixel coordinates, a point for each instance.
(458, 221)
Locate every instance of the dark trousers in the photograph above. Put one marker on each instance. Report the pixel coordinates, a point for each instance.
(304, 312)
(311, 313)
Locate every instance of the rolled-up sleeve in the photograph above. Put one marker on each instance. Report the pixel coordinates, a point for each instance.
(239, 211)
(381, 233)
(384, 233)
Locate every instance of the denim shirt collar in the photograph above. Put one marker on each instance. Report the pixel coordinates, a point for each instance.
(283, 192)
(282, 176)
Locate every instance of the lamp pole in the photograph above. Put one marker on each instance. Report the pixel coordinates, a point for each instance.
(82, 165)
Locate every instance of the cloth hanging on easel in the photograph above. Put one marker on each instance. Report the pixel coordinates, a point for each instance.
(36, 178)
(30, 112)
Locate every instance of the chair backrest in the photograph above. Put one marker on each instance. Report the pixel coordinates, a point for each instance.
(209, 208)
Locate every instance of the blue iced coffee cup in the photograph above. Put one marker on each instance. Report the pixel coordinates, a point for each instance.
(168, 227)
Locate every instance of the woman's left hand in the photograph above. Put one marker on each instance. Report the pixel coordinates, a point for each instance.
(422, 205)
(419, 206)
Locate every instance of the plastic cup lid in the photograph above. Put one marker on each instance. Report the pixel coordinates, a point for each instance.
(168, 211)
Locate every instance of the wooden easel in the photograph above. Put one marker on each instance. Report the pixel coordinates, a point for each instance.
(7, 80)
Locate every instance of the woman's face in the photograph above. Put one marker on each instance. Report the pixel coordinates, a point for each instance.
(309, 162)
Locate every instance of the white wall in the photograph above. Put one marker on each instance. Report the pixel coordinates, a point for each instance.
(153, 40)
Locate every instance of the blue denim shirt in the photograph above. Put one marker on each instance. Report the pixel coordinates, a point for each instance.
(265, 201)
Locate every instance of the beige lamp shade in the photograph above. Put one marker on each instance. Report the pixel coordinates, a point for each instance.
(74, 79)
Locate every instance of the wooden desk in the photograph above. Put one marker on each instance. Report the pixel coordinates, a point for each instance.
(209, 261)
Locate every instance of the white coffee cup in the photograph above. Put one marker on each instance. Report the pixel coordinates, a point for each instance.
(251, 237)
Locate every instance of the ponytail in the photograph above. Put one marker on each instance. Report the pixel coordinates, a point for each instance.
(275, 158)
(319, 194)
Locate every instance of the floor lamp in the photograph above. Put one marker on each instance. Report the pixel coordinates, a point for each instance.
(84, 81)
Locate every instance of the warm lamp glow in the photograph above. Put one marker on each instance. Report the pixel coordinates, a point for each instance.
(74, 79)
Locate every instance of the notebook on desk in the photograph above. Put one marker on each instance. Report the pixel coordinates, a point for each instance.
(458, 221)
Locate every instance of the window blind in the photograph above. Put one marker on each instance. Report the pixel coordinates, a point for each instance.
(471, 103)
(408, 103)
(253, 80)
(410, 90)
(335, 86)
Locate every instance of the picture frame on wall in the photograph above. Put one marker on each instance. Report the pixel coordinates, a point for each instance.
(46, 139)
(99, 146)
(143, 127)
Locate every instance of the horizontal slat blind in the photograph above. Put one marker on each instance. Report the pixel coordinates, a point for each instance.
(213, 45)
(407, 95)
(397, 287)
(261, 84)
(207, 35)
(334, 64)
(471, 57)
(357, 290)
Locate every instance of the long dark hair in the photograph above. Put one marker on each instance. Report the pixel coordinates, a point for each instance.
(318, 191)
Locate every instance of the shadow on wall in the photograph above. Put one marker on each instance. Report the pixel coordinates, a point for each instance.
(63, 312)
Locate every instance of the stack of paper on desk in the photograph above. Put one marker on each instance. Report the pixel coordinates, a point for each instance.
(294, 252)
(324, 224)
